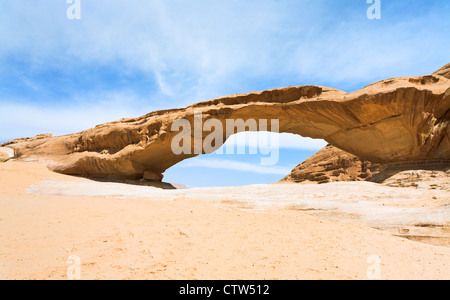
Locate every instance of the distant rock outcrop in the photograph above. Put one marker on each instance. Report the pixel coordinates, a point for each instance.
(395, 120)
(332, 165)
(444, 71)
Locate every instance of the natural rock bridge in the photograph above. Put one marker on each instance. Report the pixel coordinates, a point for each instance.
(395, 120)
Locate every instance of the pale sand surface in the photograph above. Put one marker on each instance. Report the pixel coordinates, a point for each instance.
(258, 232)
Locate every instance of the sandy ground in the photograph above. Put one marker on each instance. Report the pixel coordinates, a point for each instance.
(259, 232)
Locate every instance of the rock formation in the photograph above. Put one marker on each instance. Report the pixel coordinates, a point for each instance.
(395, 120)
(332, 165)
(6, 154)
(444, 71)
(4, 157)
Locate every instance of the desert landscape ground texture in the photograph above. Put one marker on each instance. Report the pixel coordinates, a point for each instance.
(380, 189)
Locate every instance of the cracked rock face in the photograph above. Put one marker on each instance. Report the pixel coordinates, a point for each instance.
(395, 120)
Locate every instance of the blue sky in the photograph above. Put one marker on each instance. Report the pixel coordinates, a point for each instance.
(127, 58)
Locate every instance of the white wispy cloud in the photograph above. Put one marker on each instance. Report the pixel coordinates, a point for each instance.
(266, 142)
(302, 39)
(236, 166)
(24, 120)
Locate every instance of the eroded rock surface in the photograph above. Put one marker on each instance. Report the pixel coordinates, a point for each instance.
(395, 120)
(335, 165)
(332, 165)
(6, 154)
(444, 71)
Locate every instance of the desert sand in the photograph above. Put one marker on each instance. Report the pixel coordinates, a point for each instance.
(281, 231)
(374, 204)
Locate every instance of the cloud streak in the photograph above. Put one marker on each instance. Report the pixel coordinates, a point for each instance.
(266, 142)
(25, 120)
(235, 166)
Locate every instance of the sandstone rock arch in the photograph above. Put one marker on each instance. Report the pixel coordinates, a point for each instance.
(400, 119)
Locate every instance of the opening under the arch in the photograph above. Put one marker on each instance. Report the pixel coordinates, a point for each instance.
(246, 158)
